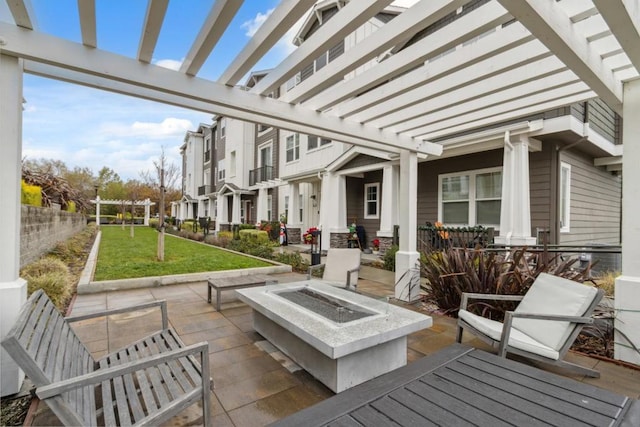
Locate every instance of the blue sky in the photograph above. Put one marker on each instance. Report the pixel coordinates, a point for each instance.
(90, 128)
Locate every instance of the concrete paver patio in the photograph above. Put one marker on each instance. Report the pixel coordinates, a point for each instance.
(254, 383)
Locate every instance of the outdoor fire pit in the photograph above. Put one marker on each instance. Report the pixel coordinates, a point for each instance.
(340, 337)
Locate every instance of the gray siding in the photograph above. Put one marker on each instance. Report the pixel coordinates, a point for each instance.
(595, 202)
(361, 160)
(355, 204)
(604, 120)
(542, 172)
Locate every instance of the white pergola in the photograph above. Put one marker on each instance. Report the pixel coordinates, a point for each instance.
(147, 203)
(556, 54)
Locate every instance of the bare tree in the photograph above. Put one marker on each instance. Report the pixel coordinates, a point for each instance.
(165, 177)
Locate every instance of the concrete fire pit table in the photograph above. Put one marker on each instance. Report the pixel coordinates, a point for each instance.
(340, 337)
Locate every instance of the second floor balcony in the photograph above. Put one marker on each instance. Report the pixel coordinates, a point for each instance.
(263, 173)
(204, 189)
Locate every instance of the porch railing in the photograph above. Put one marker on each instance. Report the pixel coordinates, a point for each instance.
(204, 189)
(263, 173)
(430, 237)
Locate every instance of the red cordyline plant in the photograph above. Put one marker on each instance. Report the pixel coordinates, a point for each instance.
(452, 271)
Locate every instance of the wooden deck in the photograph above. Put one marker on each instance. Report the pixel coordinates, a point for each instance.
(462, 386)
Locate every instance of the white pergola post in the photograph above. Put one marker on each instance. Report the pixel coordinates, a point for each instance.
(515, 211)
(407, 255)
(390, 194)
(293, 219)
(147, 211)
(235, 215)
(333, 209)
(222, 213)
(627, 292)
(13, 290)
(98, 211)
(261, 212)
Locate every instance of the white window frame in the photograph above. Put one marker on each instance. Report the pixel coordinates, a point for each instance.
(565, 199)
(223, 127)
(269, 207)
(232, 163)
(286, 207)
(375, 185)
(264, 146)
(300, 206)
(295, 148)
(471, 217)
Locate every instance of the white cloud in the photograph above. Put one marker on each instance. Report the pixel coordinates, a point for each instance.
(171, 64)
(168, 128)
(252, 25)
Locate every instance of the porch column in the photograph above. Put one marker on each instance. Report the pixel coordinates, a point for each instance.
(293, 218)
(407, 255)
(333, 210)
(222, 212)
(13, 289)
(515, 211)
(390, 192)
(147, 212)
(98, 211)
(235, 215)
(627, 292)
(261, 211)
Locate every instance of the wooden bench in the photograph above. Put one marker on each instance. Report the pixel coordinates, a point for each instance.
(145, 383)
(232, 283)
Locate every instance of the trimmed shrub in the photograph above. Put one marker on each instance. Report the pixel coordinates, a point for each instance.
(247, 227)
(258, 235)
(154, 222)
(51, 275)
(187, 225)
(71, 206)
(249, 245)
(389, 258)
(294, 259)
(30, 194)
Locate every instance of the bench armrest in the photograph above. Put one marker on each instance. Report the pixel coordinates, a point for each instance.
(96, 377)
(349, 272)
(160, 303)
(466, 296)
(311, 268)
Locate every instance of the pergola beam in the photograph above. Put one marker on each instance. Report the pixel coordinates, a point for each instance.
(460, 30)
(22, 12)
(156, 11)
(480, 57)
(214, 26)
(177, 100)
(623, 18)
(348, 19)
(233, 102)
(399, 29)
(87, 12)
(284, 16)
(547, 21)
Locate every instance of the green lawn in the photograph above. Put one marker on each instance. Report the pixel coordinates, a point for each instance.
(123, 257)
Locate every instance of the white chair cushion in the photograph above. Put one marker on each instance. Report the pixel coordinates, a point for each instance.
(553, 295)
(338, 262)
(517, 339)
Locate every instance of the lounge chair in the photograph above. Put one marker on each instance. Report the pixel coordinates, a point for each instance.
(341, 267)
(543, 326)
(145, 383)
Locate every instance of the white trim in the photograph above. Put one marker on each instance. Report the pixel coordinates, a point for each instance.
(471, 199)
(366, 215)
(565, 196)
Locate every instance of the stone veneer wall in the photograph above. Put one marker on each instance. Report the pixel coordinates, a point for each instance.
(294, 236)
(339, 240)
(42, 228)
(385, 243)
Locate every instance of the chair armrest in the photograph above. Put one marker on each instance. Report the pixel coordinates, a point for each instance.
(557, 317)
(510, 315)
(161, 303)
(349, 272)
(466, 296)
(311, 268)
(96, 377)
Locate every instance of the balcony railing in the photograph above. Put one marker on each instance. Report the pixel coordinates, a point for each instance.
(207, 156)
(263, 173)
(204, 189)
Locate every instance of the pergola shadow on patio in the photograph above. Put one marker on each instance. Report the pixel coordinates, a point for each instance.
(254, 383)
(410, 95)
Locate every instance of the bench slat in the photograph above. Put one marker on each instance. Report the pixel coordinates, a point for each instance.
(121, 400)
(165, 372)
(182, 367)
(42, 334)
(191, 365)
(143, 383)
(154, 375)
(133, 400)
(107, 398)
(28, 334)
(55, 331)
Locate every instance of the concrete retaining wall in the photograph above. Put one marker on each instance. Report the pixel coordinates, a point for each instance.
(43, 228)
